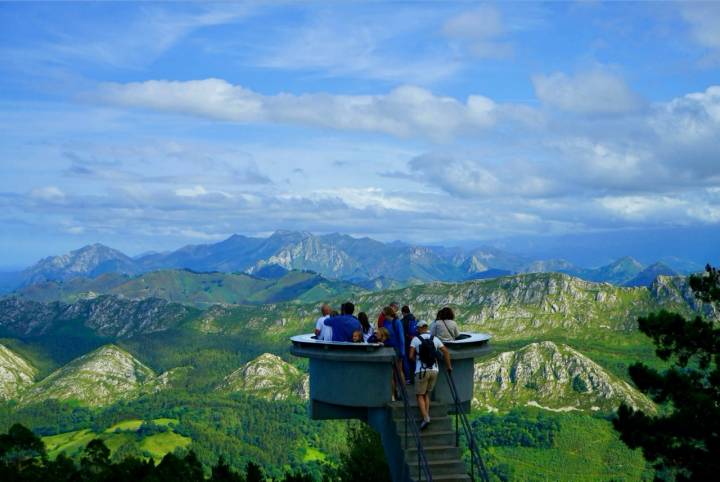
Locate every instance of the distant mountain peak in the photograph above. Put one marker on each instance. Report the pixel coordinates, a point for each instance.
(101, 377)
(552, 376)
(268, 376)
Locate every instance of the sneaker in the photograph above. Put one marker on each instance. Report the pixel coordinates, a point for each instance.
(424, 424)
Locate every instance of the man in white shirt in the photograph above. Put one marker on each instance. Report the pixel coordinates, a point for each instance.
(425, 350)
(322, 331)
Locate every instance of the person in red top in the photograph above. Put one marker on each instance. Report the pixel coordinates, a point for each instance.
(381, 319)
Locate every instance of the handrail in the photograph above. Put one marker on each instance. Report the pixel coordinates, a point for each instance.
(423, 465)
(469, 435)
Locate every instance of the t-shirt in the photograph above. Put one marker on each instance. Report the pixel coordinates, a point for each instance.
(415, 343)
(343, 327)
(325, 331)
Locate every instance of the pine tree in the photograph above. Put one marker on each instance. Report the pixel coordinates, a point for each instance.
(683, 441)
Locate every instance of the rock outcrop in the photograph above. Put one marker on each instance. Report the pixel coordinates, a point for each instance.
(268, 376)
(107, 316)
(16, 374)
(551, 376)
(101, 377)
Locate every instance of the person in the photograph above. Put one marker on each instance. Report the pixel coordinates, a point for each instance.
(381, 335)
(344, 325)
(444, 326)
(381, 318)
(396, 340)
(367, 328)
(424, 352)
(322, 331)
(409, 324)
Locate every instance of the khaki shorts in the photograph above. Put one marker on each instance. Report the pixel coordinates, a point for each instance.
(425, 381)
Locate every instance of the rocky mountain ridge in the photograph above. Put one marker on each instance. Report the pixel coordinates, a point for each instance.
(268, 376)
(334, 256)
(552, 376)
(105, 316)
(16, 374)
(99, 378)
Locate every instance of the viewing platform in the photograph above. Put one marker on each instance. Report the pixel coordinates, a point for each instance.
(353, 381)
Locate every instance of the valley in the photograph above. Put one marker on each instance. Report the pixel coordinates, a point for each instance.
(149, 361)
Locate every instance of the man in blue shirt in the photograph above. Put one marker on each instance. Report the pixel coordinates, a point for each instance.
(344, 325)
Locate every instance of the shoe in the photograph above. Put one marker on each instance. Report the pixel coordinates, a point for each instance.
(424, 424)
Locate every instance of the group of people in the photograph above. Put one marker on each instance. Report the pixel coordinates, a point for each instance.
(415, 342)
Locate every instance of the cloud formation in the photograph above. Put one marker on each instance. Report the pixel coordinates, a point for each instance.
(482, 32)
(597, 91)
(405, 111)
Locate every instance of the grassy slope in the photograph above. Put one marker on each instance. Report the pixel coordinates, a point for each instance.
(156, 445)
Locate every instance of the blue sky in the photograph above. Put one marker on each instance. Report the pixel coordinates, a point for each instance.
(152, 125)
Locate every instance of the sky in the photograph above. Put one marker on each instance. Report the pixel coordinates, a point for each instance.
(147, 126)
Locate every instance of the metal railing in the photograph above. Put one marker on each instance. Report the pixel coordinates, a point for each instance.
(411, 422)
(476, 460)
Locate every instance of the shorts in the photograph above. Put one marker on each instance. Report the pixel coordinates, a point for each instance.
(425, 381)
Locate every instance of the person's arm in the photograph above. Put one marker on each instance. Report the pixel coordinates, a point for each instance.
(446, 355)
(411, 353)
(401, 336)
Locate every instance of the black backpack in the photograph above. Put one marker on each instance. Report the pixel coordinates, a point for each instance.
(427, 352)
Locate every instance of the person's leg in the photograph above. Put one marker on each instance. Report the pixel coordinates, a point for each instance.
(421, 406)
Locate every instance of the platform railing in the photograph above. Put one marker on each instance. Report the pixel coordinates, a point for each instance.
(476, 460)
(411, 422)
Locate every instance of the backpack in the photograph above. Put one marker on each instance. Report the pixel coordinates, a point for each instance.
(427, 352)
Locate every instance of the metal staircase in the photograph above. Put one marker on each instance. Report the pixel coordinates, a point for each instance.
(438, 443)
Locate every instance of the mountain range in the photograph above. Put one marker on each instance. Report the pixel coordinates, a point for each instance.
(365, 262)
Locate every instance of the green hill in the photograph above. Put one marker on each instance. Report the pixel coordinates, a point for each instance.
(102, 377)
(192, 288)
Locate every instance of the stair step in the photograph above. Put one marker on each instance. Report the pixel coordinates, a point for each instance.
(436, 409)
(432, 453)
(451, 477)
(430, 439)
(440, 467)
(438, 423)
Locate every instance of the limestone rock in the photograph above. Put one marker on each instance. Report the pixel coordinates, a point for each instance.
(268, 376)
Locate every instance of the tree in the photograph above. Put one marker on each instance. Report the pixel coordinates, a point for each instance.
(223, 473)
(683, 441)
(254, 473)
(365, 458)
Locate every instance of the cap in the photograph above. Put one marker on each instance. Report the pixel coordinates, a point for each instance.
(422, 323)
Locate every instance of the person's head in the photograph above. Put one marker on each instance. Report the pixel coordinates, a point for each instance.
(334, 313)
(422, 326)
(347, 308)
(395, 306)
(325, 309)
(382, 334)
(364, 321)
(446, 314)
(389, 312)
(357, 337)
(405, 310)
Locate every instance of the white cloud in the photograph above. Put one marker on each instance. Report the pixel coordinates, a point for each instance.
(481, 30)
(704, 21)
(404, 112)
(153, 31)
(597, 91)
(360, 43)
(368, 198)
(194, 191)
(48, 193)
